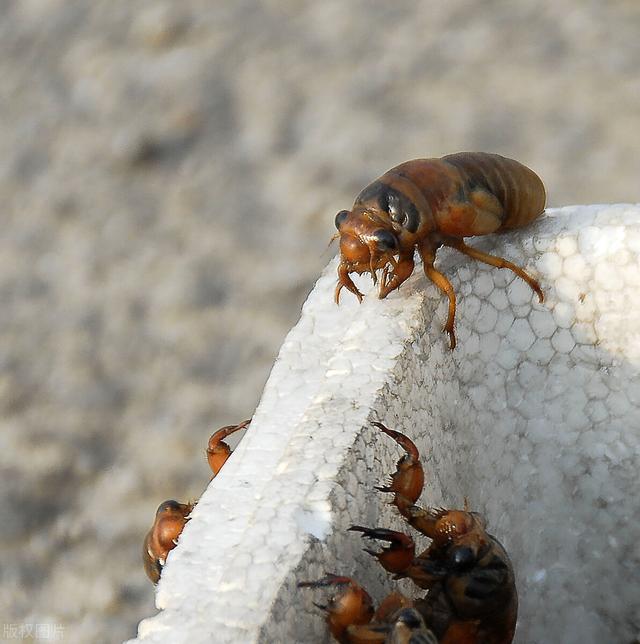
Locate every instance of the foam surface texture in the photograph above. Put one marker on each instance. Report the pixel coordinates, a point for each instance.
(534, 418)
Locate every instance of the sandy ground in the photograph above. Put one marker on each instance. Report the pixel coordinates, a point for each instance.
(169, 174)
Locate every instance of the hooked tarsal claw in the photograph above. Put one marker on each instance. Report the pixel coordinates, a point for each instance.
(328, 580)
(382, 534)
(345, 281)
(312, 584)
(353, 290)
(404, 441)
(382, 488)
(398, 555)
(323, 607)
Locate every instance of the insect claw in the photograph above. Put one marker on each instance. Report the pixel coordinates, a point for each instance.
(371, 533)
(382, 488)
(217, 450)
(408, 479)
(349, 604)
(395, 557)
(344, 280)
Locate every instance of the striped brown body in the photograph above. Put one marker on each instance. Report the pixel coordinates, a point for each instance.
(477, 598)
(423, 204)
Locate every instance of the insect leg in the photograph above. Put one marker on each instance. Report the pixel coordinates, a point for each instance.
(351, 605)
(422, 519)
(345, 280)
(499, 262)
(401, 272)
(397, 556)
(408, 479)
(217, 450)
(428, 257)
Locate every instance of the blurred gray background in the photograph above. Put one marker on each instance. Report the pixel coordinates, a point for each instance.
(169, 174)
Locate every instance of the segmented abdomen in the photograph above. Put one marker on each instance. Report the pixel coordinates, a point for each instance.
(518, 188)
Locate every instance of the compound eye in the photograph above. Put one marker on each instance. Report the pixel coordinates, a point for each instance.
(169, 505)
(410, 617)
(385, 240)
(340, 217)
(462, 557)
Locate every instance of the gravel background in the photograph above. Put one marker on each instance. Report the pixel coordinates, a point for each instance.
(169, 173)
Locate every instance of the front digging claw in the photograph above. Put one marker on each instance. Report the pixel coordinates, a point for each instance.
(350, 606)
(396, 557)
(328, 580)
(401, 271)
(408, 479)
(217, 450)
(345, 281)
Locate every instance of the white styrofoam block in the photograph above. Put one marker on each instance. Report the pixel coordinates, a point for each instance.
(534, 418)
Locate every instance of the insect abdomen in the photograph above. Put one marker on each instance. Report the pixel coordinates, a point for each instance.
(518, 188)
